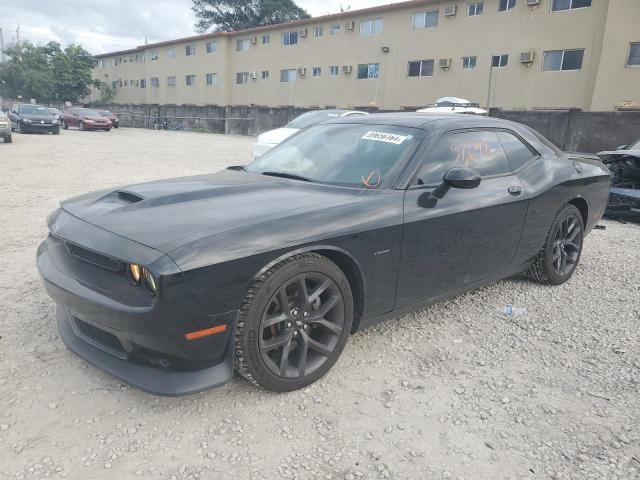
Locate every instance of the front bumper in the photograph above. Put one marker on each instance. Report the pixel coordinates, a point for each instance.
(39, 127)
(121, 329)
(150, 379)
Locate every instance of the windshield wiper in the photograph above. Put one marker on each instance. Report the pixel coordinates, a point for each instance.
(292, 176)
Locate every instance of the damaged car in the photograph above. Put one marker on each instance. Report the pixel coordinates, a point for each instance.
(624, 197)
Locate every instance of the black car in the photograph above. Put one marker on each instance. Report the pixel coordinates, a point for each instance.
(269, 268)
(27, 118)
(624, 198)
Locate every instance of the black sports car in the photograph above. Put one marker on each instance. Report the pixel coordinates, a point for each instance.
(269, 268)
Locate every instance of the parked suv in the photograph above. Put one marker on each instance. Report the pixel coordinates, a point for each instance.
(33, 118)
(5, 127)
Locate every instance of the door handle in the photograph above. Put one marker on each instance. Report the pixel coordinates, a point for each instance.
(515, 190)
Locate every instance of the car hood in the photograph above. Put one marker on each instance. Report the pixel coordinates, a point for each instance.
(610, 155)
(276, 136)
(98, 118)
(37, 118)
(171, 213)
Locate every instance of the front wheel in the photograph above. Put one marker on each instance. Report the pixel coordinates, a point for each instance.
(8, 139)
(293, 323)
(64, 125)
(561, 254)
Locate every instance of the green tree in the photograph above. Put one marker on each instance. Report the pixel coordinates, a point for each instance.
(46, 73)
(106, 93)
(230, 15)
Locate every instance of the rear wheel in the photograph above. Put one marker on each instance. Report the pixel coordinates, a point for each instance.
(294, 323)
(64, 125)
(561, 254)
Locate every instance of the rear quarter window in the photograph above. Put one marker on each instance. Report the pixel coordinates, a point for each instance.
(517, 152)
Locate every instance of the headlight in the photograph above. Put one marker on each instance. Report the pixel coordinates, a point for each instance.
(3, 124)
(135, 273)
(149, 281)
(88, 121)
(26, 120)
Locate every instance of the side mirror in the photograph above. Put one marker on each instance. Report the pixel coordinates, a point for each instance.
(622, 147)
(465, 178)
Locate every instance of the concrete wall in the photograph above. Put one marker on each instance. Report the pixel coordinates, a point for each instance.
(570, 130)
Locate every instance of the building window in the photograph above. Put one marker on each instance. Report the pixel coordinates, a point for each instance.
(634, 54)
(189, 50)
(317, 71)
(143, 83)
(556, 60)
(469, 63)
(212, 46)
(560, 5)
(336, 28)
(242, 78)
(288, 76)
(264, 75)
(372, 27)
(506, 5)
(368, 71)
(242, 44)
(171, 81)
(334, 71)
(154, 55)
(425, 19)
(475, 9)
(212, 78)
(499, 61)
(190, 80)
(155, 82)
(100, 63)
(171, 52)
(421, 68)
(141, 58)
(290, 38)
(318, 32)
(266, 39)
(126, 83)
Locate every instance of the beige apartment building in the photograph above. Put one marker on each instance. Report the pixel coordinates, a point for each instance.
(512, 54)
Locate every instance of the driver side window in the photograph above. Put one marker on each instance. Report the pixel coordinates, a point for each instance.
(480, 150)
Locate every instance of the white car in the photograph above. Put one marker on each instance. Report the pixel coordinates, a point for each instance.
(267, 140)
(454, 105)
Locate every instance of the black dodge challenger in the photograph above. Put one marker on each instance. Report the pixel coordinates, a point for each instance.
(267, 269)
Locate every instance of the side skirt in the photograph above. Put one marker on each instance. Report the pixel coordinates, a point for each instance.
(368, 322)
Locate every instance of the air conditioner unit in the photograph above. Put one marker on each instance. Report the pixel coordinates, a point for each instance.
(253, 75)
(254, 40)
(347, 69)
(450, 10)
(303, 33)
(302, 71)
(349, 26)
(532, 3)
(527, 57)
(444, 63)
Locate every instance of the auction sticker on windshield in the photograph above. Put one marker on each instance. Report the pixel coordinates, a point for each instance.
(385, 137)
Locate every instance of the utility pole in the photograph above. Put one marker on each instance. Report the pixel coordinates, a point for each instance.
(18, 35)
(1, 46)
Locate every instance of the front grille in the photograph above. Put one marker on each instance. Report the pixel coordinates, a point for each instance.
(95, 258)
(102, 338)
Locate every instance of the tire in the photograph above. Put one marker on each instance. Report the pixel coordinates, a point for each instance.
(64, 125)
(56, 131)
(312, 337)
(8, 139)
(81, 126)
(558, 259)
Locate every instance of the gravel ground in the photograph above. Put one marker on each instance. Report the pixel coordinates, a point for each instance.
(454, 391)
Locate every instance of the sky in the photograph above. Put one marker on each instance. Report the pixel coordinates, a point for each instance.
(120, 24)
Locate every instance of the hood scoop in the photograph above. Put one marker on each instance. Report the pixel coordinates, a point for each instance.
(122, 197)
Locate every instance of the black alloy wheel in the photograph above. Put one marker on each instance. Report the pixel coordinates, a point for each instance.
(293, 323)
(567, 245)
(301, 325)
(558, 260)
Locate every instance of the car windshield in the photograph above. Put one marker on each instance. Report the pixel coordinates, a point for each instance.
(350, 155)
(34, 110)
(311, 118)
(54, 111)
(87, 112)
(105, 113)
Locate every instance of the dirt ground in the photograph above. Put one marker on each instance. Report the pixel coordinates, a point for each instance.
(456, 391)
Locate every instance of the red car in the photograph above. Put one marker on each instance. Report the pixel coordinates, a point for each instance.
(85, 119)
(111, 116)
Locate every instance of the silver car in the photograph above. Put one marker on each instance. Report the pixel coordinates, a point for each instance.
(5, 127)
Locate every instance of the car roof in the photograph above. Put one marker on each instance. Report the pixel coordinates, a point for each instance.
(423, 120)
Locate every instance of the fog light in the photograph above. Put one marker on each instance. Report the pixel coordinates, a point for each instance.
(135, 272)
(149, 281)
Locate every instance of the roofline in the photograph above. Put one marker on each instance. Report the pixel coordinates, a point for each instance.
(305, 21)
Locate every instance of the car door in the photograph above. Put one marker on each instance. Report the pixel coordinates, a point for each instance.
(467, 235)
(72, 118)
